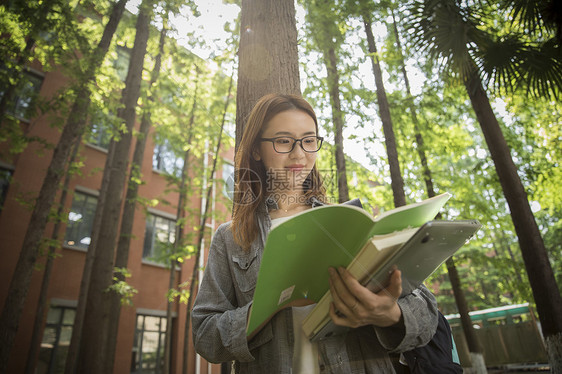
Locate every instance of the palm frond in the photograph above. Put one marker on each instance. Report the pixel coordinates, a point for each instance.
(541, 69)
(531, 15)
(444, 31)
(497, 62)
(458, 37)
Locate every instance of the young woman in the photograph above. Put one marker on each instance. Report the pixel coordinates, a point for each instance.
(277, 177)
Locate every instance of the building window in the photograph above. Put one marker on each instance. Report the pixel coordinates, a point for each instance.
(27, 91)
(121, 63)
(148, 347)
(5, 178)
(165, 159)
(228, 180)
(56, 339)
(80, 220)
(99, 134)
(159, 235)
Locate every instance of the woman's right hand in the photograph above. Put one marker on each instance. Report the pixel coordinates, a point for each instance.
(355, 305)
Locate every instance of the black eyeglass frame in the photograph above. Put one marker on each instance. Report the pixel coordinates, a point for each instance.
(319, 139)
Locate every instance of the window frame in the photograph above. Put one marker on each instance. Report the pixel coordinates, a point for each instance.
(228, 180)
(58, 326)
(5, 183)
(89, 194)
(152, 213)
(122, 61)
(138, 342)
(14, 105)
(160, 163)
(100, 123)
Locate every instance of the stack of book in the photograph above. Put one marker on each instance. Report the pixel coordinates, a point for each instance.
(299, 251)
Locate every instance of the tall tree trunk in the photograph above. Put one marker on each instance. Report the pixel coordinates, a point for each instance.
(397, 183)
(267, 57)
(541, 277)
(476, 356)
(125, 233)
(475, 349)
(179, 236)
(95, 327)
(333, 172)
(504, 243)
(179, 227)
(325, 32)
(195, 273)
(75, 340)
(74, 127)
(42, 302)
(428, 179)
(331, 62)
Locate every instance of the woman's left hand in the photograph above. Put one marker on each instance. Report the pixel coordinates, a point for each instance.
(355, 305)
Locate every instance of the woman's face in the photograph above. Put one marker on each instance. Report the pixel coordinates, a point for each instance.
(287, 171)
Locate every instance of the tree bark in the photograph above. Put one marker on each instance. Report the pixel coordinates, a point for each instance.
(513, 260)
(471, 340)
(420, 144)
(331, 62)
(267, 57)
(195, 273)
(541, 277)
(324, 30)
(179, 228)
(95, 329)
(125, 233)
(186, 332)
(74, 127)
(397, 182)
(42, 302)
(74, 347)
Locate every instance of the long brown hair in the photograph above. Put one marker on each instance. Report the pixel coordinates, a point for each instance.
(251, 176)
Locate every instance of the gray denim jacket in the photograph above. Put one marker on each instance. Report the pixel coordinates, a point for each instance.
(221, 309)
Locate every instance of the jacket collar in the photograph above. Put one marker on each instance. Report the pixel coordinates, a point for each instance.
(271, 203)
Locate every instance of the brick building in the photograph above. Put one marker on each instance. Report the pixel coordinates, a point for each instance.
(142, 325)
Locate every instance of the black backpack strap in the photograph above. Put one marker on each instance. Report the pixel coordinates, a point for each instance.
(354, 202)
(437, 355)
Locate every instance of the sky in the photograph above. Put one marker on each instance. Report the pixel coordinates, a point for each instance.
(209, 26)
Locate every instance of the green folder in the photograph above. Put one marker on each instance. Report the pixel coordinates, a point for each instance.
(299, 251)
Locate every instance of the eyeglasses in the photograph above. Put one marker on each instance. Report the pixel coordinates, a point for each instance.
(286, 144)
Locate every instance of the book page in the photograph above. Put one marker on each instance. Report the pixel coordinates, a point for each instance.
(298, 254)
(408, 216)
(376, 251)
